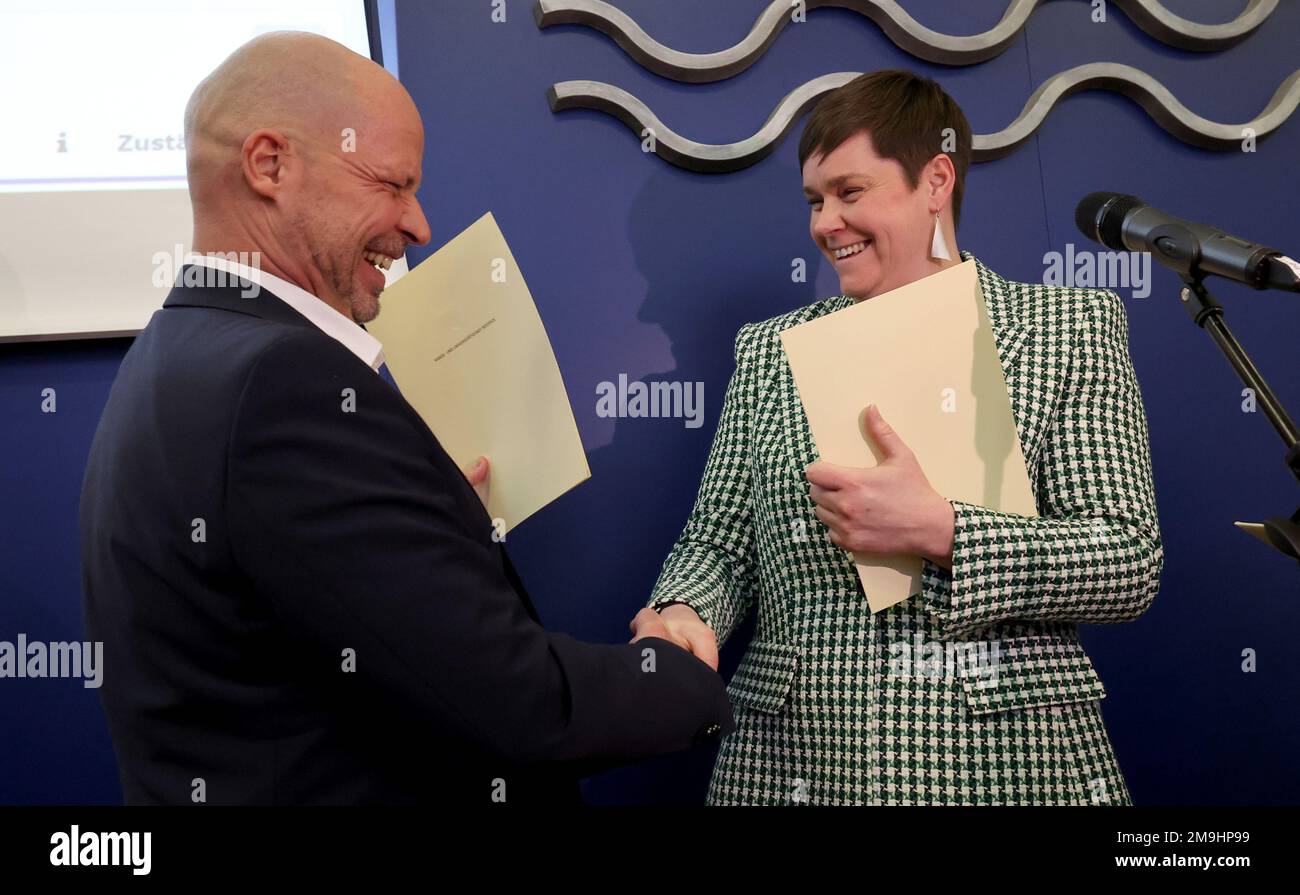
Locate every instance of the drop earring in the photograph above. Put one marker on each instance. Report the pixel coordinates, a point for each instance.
(939, 245)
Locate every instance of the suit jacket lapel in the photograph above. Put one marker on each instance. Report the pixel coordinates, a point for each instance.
(1031, 370)
(1009, 329)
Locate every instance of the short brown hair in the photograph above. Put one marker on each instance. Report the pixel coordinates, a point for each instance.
(907, 118)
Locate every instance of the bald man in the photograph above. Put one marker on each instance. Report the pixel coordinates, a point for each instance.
(298, 592)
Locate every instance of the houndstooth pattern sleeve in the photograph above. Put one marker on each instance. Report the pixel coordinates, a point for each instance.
(1094, 554)
(713, 567)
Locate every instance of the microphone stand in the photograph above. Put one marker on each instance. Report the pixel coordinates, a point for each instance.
(1178, 248)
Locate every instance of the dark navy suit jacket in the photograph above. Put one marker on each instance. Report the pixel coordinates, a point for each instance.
(301, 602)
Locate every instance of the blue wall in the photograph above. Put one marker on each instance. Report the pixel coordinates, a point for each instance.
(644, 269)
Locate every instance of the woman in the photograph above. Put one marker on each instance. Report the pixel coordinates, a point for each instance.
(835, 705)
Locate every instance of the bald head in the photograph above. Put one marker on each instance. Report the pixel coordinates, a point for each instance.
(289, 138)
(300, 83)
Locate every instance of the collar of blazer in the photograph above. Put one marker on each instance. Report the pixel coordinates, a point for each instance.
(236, 295)
(1010, 326)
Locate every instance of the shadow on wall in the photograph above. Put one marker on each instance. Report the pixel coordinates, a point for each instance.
(708, 252)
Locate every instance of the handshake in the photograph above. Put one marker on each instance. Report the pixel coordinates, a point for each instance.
(679, 624)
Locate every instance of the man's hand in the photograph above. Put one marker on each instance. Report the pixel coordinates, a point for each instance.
(887, 509)
(477, 476)
(679, 624)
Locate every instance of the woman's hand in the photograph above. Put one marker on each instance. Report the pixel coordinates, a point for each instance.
(679, 624)
(889, 508)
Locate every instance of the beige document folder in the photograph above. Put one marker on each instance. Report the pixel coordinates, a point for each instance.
(924, 354)
(465, 343)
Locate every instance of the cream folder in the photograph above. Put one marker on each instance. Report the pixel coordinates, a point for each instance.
(465, 343)
(924, 354)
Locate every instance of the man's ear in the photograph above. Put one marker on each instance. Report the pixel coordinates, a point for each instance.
(939, 177)
(263, 157)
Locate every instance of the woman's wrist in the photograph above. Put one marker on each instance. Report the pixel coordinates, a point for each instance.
(938, 542)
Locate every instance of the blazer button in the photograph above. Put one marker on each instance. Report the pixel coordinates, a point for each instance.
(708, 733)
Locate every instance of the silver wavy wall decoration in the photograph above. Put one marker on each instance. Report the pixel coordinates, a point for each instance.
(1137, 85)
(922, 42)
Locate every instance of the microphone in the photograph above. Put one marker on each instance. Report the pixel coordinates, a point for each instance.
(1121, 222)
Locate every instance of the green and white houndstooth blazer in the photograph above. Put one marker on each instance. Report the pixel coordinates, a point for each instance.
(836, 706)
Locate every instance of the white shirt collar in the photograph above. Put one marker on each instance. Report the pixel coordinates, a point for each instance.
(327, 320)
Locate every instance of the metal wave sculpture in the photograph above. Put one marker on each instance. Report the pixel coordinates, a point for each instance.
(922, 42)
(1156, 99)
